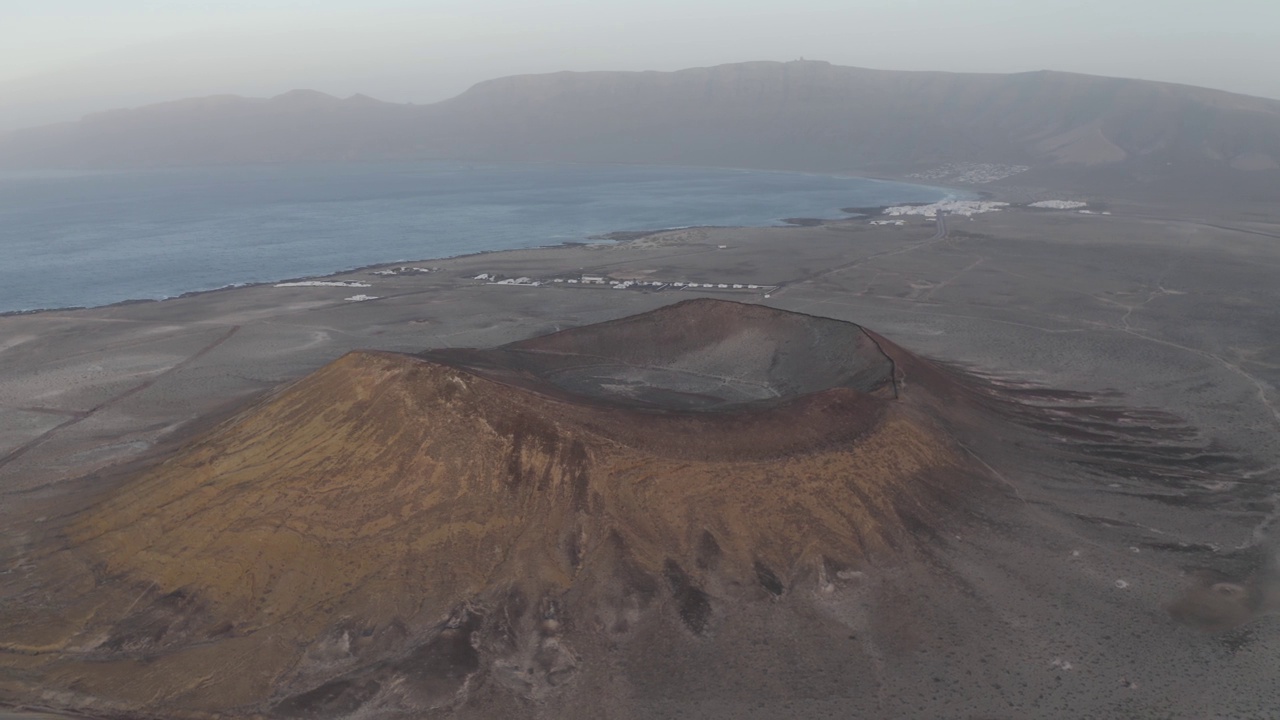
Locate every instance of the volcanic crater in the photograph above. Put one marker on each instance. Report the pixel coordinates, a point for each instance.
(481, 529)
(701, 355)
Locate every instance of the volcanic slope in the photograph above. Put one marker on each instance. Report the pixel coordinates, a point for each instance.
(609, 511)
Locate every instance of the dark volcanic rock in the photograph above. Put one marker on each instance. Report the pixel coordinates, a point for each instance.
(711, 509)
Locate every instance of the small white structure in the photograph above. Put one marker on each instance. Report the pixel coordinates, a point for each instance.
(360, 298)
(570, 281)
(483, 276)
(737, 286)
(593, 279)
(753, 287)
(722, 286)
(722, 247)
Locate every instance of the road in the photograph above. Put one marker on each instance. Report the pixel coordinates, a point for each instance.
(939, 234)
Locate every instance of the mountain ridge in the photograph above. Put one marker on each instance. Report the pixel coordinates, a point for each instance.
(803, 115)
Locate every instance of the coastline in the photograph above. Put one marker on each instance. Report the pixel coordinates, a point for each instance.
(614, 236)
(338, 273)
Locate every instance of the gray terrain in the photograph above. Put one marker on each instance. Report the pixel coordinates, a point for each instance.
(1128, 571)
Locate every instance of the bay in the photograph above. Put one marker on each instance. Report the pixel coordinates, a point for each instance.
(89, 239)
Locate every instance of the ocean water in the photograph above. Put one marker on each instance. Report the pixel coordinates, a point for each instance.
(88, 239)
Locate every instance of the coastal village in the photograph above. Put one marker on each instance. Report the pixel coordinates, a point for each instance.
(584, 281)
(611, 283)
(896, 215)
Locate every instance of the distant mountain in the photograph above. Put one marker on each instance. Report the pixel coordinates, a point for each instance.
(796, 116)
(298, 126)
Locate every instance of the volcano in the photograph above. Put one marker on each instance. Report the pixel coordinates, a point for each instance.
(614, 510)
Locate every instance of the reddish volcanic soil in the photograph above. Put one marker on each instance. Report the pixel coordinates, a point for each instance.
(683, 501)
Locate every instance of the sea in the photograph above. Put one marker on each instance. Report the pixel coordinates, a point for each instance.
(84, 239)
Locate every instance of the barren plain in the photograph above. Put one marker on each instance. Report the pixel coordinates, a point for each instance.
(1127, 571)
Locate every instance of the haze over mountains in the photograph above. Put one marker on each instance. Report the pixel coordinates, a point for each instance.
(802, 115)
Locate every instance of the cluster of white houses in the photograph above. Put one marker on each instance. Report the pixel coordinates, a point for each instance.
(721, 286)
(405, 270)
(600, 280)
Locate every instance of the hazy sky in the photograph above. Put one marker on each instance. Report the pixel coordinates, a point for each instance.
(62, 58)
